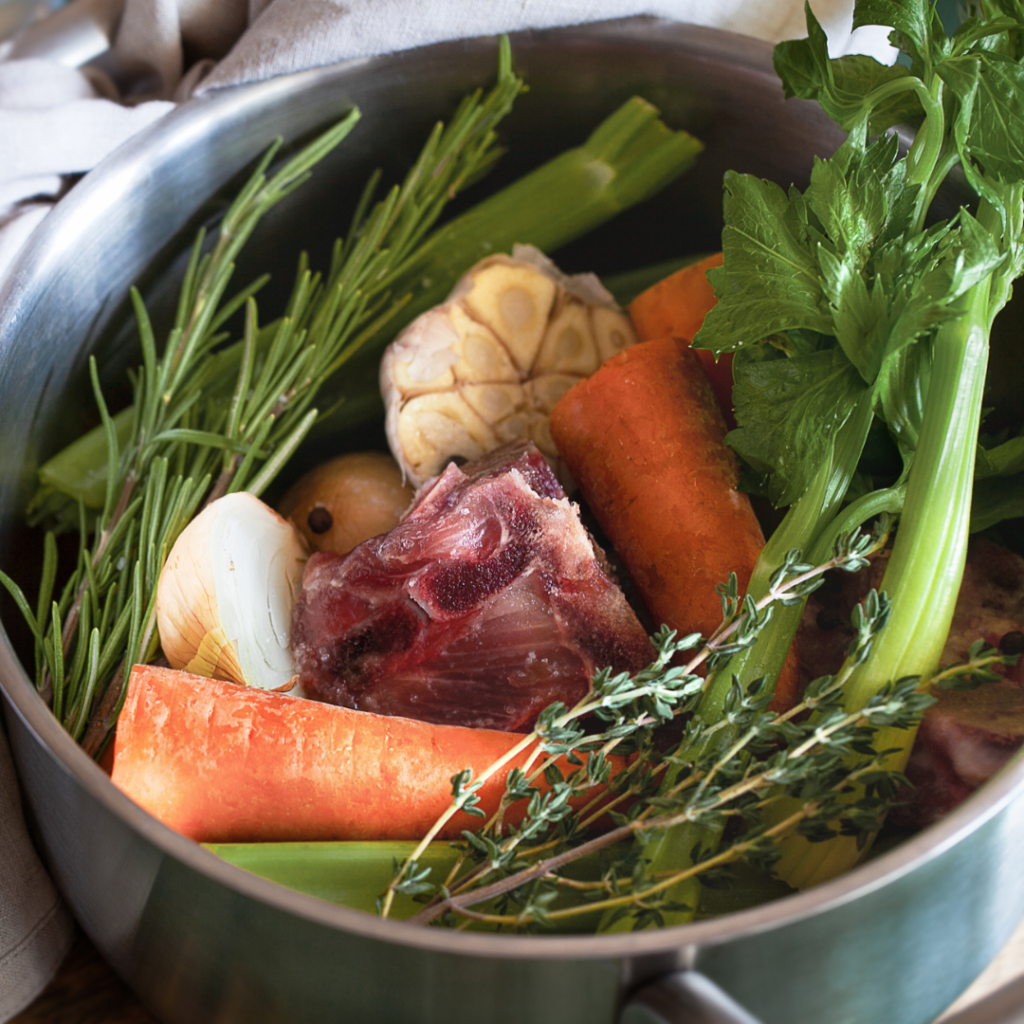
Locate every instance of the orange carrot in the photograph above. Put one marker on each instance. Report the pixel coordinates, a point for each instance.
(675, 308)
(644, 439)
(223, 763)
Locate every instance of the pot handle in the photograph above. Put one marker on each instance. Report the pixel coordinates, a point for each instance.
(683, 997)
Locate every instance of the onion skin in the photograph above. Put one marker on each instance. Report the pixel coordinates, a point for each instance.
(225, 595)
(356, 497)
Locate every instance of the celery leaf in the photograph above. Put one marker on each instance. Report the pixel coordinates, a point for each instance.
(996, 136)
(996, 498)
(773, 280)
(789, 410)
(841, 86)
(914, 24)
(1003, 460)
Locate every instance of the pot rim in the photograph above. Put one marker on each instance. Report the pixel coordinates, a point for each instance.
(48, 243)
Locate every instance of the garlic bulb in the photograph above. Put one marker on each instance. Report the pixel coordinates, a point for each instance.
(225, 597)
(489, 364)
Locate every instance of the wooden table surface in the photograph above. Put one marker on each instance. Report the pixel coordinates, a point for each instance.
(86, 991)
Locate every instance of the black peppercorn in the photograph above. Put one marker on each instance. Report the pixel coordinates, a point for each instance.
(320, 519)
(1012, 642)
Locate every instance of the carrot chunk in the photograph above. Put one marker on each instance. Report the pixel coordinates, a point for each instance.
(675, 308)
(645, 441)
(222, 763)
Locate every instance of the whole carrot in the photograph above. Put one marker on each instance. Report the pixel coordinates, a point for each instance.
(224, 763)
(675, 308)
(645, 441)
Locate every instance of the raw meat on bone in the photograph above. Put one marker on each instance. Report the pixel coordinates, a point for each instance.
(484, 605)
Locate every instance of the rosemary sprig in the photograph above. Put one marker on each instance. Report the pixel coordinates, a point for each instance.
(631, 707)
(181, 443)
(626, 159)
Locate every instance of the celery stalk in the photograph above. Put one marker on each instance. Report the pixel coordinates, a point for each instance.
(862, 308)
(353, 874)
(80, 469)
(924, 571)
(805, 526)
(630, 157)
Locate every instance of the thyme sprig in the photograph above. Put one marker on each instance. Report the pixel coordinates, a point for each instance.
(975, 670)
(777, 757)
(800, 761)
(631, 707)
(209, 417)
(774, 755)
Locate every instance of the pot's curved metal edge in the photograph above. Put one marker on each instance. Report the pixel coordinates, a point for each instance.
(49, 243)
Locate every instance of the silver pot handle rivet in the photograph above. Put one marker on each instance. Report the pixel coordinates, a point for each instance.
(684, 997)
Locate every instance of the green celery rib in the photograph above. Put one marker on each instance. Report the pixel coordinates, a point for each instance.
(630, 157)
(805, 527)
(353, 874)
(995, 499)
(923, 575)
(80, 469)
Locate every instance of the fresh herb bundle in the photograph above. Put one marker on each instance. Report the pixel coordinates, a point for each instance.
(629, 157)
(723, 776)
(184, 444)
(846, 307)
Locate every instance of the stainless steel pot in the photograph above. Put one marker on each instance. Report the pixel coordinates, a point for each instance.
(892, 943)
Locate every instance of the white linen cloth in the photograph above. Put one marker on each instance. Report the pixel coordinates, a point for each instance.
(57, 122)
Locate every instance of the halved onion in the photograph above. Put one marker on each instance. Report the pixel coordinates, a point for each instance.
(225, 597)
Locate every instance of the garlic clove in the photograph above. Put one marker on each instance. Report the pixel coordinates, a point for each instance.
(432, 429)
(483, 356)
(226, 593)
(514, 301)
(546, 392)
(505, 407)
(612, 331)
(586, 287)
(568, 345)
(420, 360)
